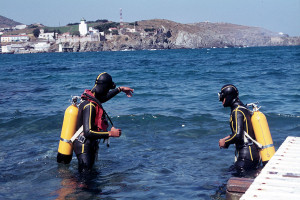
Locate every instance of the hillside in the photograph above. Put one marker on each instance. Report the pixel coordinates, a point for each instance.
(173, 35)
(6, 22)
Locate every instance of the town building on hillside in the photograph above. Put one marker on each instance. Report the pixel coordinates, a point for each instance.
(130, 30)
(41, 47)
(19, 27)
(14, 38)
(83, 27)
(46, 36)
(67, 34)
(6, 49)
(13, 48)
(5, 29)
(94, 33)
(112, 29)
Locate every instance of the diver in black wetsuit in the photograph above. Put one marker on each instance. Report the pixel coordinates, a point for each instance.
(240, 122)
(93, 118)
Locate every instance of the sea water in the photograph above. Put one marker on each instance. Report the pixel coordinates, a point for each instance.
(170, 127)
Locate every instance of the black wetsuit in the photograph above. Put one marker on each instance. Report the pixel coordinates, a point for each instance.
(86, 147)
(247, 152)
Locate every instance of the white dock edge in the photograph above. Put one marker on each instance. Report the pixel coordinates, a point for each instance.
(280, 178)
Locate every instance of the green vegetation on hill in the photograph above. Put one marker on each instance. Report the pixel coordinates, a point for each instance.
(62, 29)
(102, 25)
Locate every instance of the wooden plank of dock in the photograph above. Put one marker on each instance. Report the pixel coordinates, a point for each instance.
(236, 187)
(280, 178)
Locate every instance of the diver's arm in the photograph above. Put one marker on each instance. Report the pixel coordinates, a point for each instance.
(89, 127)
(128, 91)
(237, 124)
(110, 95)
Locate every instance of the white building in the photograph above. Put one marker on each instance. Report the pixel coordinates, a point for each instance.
(6, 49)
(46, 36)
(13, 48)
(19, 27)
(83, 27)
(14, 38)
(93, 31)
(112, 29)
(41, 46)
(130, 30)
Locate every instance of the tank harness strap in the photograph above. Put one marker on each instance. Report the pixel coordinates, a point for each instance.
(254, 141)
(248, 136)
(76, 134)
(64, 140)
(267, 146)
(258, 144)
(241, 107)
(100, 105)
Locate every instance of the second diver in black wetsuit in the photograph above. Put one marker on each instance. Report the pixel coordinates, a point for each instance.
(93, 118)
(240, 123)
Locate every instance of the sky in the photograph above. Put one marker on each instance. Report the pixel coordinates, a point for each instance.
(274, 15)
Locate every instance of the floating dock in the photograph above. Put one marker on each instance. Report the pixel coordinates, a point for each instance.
(280, 178)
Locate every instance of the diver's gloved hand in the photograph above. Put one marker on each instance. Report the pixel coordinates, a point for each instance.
(115, 132)
(126, 90)
(222, 143)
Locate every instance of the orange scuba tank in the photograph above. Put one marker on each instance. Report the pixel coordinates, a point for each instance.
(65, 148)
(262, 134)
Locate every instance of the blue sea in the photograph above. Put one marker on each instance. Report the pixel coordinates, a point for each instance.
(170, 127)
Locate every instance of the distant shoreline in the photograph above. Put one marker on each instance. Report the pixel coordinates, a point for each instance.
(146, 35)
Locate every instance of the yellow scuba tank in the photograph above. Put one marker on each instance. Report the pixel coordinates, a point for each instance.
(65, 148)
(262, 134)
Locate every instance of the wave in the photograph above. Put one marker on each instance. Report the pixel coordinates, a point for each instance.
(284, 124)
(232, 63)
(167, 126)
(22, 125)
(160, 118)
(288, 116)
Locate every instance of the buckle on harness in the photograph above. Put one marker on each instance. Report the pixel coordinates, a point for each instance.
(81, 139)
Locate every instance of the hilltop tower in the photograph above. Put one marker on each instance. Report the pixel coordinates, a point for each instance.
(83, 27)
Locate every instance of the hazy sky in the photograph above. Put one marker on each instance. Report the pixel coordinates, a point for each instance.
(275, 15)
